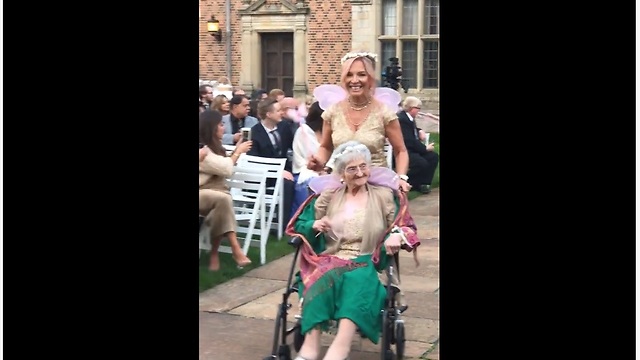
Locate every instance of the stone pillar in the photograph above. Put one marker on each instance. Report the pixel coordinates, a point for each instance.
(364, 27)
(300, 57)
(246, 73)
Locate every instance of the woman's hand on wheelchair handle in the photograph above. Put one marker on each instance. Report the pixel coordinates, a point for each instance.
(393, 243)
(404, 186)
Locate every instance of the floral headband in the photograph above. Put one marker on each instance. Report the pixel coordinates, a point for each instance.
(348, 149)
(351, 55)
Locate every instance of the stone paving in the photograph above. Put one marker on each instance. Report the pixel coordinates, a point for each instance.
(237, 318)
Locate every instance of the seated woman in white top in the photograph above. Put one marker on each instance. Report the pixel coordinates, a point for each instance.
(305, 142)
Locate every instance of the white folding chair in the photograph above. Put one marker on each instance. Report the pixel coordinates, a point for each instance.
(247, 188)
(229, 148)
(274, 197)
(388, 152)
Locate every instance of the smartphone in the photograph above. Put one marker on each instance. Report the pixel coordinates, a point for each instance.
(246, 134)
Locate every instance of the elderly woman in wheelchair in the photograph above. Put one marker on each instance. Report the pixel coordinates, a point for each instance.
(349, 230)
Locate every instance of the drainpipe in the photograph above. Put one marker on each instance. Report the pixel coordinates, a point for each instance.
(227, 6)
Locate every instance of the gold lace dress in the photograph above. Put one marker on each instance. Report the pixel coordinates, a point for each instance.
(371, 132)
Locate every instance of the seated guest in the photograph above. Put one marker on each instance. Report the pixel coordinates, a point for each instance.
(289, 107)
(237, 91)
(306, 142)
(272, 138)
(206, 96)
(215, 202)
(221, 104)
(277, 94)
(256, 96)
(237, 118)
(422, 159)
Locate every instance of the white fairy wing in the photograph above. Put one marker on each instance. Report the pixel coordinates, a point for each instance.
(389, 97)
(328, 95)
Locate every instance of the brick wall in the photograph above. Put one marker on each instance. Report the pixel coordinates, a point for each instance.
(213, 61)
(328, 39)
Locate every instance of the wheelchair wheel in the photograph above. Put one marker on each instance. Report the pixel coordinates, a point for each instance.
(385, 352)
(400, 341)
(298, 338)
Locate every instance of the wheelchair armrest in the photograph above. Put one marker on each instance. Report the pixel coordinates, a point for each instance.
(295, 241)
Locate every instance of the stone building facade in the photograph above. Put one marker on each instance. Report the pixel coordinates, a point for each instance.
(297, 44)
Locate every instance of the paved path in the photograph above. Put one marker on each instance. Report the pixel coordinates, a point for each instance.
(237, 317)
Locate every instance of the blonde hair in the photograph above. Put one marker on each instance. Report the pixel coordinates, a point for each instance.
(308, 99)
(369, 67)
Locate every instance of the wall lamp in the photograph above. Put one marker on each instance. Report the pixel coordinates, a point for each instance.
(213, 28)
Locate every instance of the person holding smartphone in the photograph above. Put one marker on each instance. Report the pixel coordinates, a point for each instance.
(237, 119)
(215, 202)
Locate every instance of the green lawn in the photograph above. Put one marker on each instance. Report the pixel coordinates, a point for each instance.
(435, 137)
(275, 249)
(228, 269)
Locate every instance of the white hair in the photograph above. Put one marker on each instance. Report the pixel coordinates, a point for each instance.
(411, 101)
(348, 152)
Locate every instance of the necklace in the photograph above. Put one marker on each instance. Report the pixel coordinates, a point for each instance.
(357, 126)
(359, 107)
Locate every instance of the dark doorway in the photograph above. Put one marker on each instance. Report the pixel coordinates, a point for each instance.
(277, 62)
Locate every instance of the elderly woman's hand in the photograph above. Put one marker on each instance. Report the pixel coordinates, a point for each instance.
(322, 225)
(393, 243)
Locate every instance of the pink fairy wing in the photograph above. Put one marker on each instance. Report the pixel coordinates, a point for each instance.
(320, 183)
(302, 113)
(328, 95)
(389, 97)
(383, 176)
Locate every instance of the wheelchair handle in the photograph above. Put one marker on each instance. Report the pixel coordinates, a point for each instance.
(295, 241)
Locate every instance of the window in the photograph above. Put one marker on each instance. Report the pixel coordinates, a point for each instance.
(389, 19)
(411, 32)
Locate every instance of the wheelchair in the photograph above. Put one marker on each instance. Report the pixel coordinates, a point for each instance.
(392, 323)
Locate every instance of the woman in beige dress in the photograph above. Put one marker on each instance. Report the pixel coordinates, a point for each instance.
(360, 116)
(215, 201)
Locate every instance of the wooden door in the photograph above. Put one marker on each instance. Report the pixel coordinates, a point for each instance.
(277, 62)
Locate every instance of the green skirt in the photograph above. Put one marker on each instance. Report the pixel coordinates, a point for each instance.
(357, 295)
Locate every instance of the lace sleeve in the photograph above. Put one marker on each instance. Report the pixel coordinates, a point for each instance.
(328, 114)
(388, 116)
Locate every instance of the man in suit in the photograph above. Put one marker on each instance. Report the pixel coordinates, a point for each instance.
(422, 159)
(272, 138)
(237, 118)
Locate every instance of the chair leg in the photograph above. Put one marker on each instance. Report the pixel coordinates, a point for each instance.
(263, 249)
(280, 215)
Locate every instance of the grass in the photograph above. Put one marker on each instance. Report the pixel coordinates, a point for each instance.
(228, 269)
(275, 249)
(435, 137)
